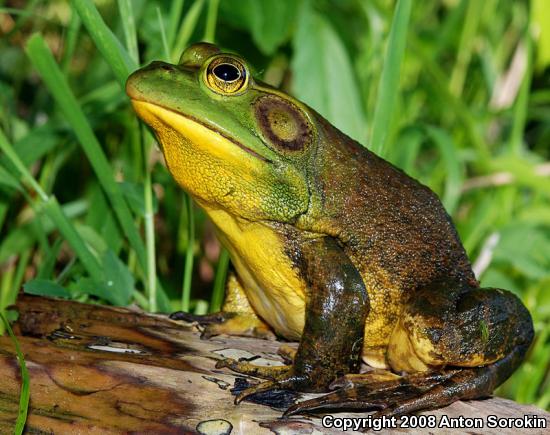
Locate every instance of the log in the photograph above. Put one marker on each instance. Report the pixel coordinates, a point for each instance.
(98, 369)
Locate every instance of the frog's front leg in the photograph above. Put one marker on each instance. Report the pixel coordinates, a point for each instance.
(332, 340)
(456, 342)
(237, 317)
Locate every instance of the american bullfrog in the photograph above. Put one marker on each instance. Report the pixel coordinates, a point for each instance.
(332, 246)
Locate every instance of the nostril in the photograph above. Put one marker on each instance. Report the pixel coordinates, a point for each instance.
(166, 67)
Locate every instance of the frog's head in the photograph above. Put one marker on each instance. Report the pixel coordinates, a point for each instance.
(228, 140)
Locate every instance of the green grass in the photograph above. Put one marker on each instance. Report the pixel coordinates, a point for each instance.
(388, 89)
(25, 394)
(455, 92)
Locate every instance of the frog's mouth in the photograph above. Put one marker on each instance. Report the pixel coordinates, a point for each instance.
(161, 119)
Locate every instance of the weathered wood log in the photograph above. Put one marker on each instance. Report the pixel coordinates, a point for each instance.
(97, 369)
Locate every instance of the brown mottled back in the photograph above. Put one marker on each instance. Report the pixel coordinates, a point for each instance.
(395, 229)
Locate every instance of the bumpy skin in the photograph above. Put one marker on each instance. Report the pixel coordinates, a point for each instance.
(332, 246)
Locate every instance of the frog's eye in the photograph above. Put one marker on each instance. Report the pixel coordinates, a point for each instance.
(283, 124)
(226, 75)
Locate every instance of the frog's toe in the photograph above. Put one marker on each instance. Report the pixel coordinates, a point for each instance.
(243, 325)
(339, 399)
(201, 319)
(347, 398)
(287, 352)
(458, 384)
(371, 391)
(441, 394)
(236, 328)
(262, 387)
(246, 368)
(228, 323)
(373, 377)
(379, 381)
(286, 380)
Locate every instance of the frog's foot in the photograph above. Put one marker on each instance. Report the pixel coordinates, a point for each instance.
(415, 392)
(279, 378)
(380, 390)
(240, 324)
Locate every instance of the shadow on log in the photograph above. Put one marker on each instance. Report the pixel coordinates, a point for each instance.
(97, 369)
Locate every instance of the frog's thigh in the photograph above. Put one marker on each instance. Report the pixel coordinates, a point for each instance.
(451, 324)
(240, 317)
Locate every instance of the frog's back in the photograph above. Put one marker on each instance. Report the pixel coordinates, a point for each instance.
(394, 229)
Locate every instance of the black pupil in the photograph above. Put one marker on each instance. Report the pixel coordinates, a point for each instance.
(226, 72)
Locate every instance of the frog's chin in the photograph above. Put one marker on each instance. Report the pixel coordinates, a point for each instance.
(162, 120)
(196, 155)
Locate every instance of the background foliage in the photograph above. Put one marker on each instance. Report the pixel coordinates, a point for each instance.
(88, 211)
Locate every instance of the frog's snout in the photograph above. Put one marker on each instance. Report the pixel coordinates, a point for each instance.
(136, 80)
(132, 85)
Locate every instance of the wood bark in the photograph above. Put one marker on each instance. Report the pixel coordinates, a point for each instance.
(97, 369)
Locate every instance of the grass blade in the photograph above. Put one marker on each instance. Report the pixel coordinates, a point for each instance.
(10, 297)
(211, 16)
(69, 233)
(522, 101)
(322, 73)
(190, 237)
(129, 26)
(174, 18)
(163, 35)
(113, 52)
(474, 11)
(55, 213)
(186, 29)
(219, 282)
(14, 159)
(121, 64)
(389, 83)
(438, 86)
(453, 178)
(70, 41)
(149, 226)
(43, 61)
(23, 237)
(25, 382)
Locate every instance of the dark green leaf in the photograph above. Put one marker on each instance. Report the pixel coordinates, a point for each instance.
(44, 287)
(269, 21)
(527, 248)
(323, 74)
(118, 279)
(91, 287)
(133, 192)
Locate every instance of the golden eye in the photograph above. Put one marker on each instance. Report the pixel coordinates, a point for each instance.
(226, 75)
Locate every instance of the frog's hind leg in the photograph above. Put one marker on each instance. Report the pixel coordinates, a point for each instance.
(455, 342)
(237, 316)
(368, 392)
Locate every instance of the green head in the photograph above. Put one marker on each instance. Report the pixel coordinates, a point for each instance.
(229, 140)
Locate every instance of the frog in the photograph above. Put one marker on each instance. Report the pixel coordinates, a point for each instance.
(332, 246)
